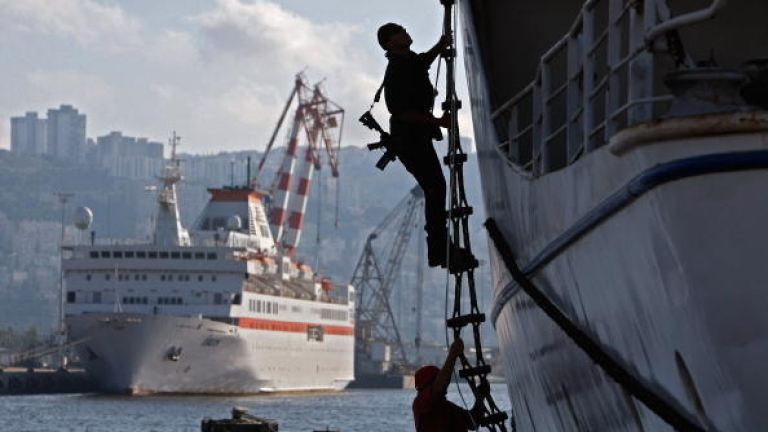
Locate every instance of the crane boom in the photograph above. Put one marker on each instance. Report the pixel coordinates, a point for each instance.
(316, 115)
(374, 282)
(297, 85)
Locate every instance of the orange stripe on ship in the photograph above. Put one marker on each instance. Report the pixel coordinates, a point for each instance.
(293, 327)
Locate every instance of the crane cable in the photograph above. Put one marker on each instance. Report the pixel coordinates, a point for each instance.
(459, 211)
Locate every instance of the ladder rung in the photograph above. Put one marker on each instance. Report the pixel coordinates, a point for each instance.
(460, 212)
(495, 418)
(446, 106)
(462, 267)
(463, 320)
(455, 159)
(475, 371)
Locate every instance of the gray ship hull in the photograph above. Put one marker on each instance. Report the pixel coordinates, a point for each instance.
(672, 284)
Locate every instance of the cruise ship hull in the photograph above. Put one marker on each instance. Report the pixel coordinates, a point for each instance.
(145, 354)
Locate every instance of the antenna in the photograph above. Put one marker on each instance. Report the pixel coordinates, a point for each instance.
(248, 174)
(173, 142)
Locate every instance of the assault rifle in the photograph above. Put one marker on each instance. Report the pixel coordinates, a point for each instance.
(386, 141)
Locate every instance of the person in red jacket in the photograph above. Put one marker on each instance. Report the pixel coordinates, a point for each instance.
(432, 412)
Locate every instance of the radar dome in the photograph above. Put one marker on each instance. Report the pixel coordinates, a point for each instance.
(83, 218)
(234, 223)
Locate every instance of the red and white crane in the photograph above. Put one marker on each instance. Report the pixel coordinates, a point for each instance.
(321, 120)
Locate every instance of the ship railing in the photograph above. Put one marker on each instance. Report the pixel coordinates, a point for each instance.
(595, 81)
(684, 20)
(104, 241)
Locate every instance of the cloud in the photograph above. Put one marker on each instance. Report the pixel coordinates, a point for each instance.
(172, 47)
(265, 32)
(65, 84)
(261, 42)
(251, 102)
(88, 22)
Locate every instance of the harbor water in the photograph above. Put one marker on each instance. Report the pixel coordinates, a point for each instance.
(348, 411)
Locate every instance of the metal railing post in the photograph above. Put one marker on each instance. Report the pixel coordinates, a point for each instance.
(513, 150)
(546, 116)
(640, 69)
(574, 97)
(614, 90)
(588, 116)
(536, 123)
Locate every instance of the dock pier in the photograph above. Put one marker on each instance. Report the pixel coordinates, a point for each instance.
(21, 381)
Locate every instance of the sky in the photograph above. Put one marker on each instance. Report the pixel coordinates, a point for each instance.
(216, 71)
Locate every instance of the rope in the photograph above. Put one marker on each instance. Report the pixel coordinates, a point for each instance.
(673, 414)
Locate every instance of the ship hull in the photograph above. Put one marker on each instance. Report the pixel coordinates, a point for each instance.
(145, 354)
(671, 284)
(665, 286)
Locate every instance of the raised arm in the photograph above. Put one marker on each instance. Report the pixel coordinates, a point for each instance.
(432, 54)
(443, 379)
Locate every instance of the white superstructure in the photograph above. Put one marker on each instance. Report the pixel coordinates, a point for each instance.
(623, 150)
(214, 310)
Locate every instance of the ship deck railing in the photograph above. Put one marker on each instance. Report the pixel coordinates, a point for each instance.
(593, 82)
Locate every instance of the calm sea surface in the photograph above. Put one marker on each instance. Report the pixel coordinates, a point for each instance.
(348, 411)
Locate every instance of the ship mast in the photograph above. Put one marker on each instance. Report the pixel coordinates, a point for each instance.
(168, 229)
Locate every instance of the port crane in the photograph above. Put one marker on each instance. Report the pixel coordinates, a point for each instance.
(321, 120)
(375, 275)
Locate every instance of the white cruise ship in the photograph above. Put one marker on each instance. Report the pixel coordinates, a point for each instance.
(214, 310)
(623, 151)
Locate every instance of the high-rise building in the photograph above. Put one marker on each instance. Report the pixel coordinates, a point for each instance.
(130, 157)
(28, 134)
(66, 133)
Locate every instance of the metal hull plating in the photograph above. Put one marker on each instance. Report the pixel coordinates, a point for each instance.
(664, 284)
(673, 284)
(134, 353)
